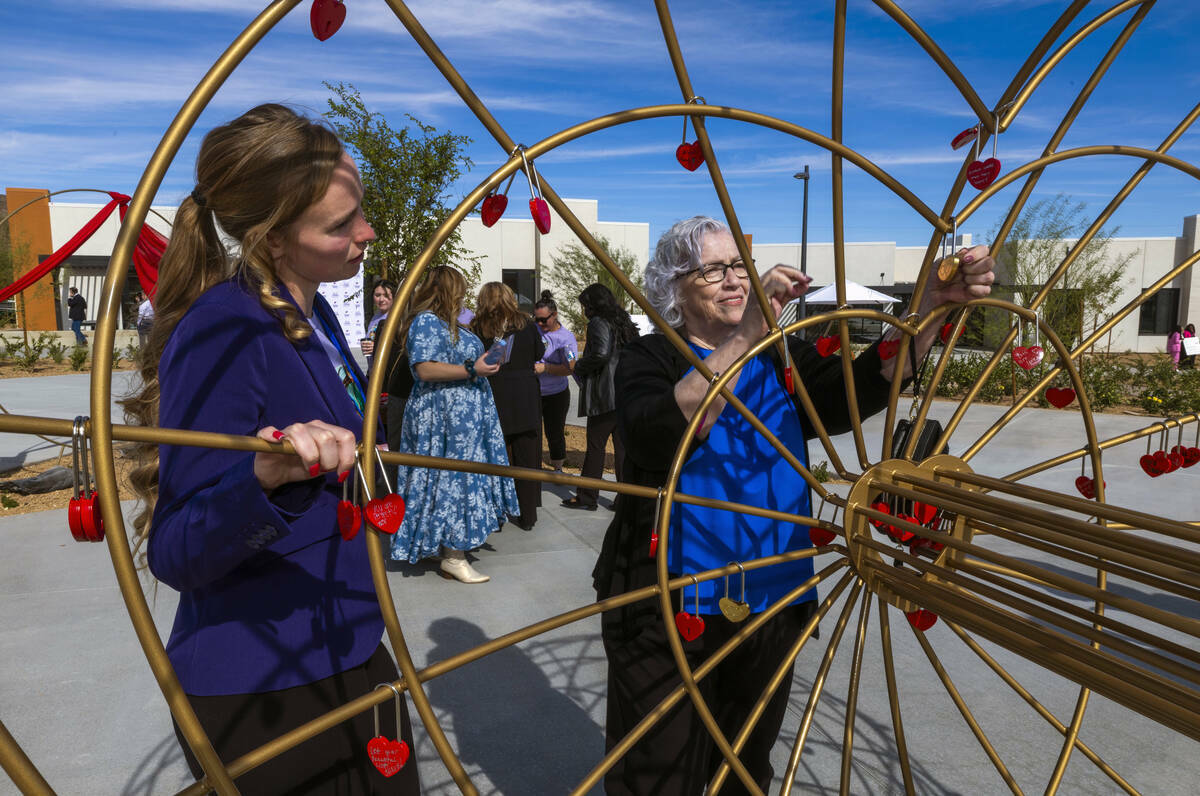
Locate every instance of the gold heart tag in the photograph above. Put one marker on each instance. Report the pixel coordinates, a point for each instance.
(734, 611)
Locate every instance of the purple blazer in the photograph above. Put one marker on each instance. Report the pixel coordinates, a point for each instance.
(270, 596)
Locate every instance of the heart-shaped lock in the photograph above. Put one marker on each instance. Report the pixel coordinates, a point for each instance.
(538, 209)
(386, 513)
(828, 345)
(1190, 456)
(75, 505)
(983, 173)
(349, 515)
(690, 156)
(540, 212)
(902, 535)
(947, 328)
(494, 205)
(884, 508)
(924, 513)
(325, 17)
(888, 348)
(1086, 486)
(921, 619)
(735, 610)
(654, 529)
(386, 755)
(83, 510)
(1028, 356)
(90, 518)
(1150, 466)
(965, 137)
(820, 536)
(690, 626)
(1060, 396)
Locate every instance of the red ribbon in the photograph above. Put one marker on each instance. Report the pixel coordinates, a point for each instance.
(146, 255)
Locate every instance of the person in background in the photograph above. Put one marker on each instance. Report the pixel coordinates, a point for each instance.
(145, 320)
(77, 313)
(609, 329)
(1187, 361)
(278, 622)
(555, 366)
(382, 295)
(514, 386)
(450, 414)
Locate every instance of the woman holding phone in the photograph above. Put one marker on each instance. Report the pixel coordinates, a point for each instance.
(515, 385)
(450, 414)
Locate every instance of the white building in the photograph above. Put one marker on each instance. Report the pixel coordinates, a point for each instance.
(513, 252)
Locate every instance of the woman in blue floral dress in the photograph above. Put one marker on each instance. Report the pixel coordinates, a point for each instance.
(451, 414)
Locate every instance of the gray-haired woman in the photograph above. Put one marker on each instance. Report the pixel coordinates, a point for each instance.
(700, 285)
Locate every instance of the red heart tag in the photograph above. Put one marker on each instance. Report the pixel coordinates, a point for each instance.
(75, 519)
(1086, 486)
(827, 345)
(1176, 460)
(494, 205)
(902, 535)
(821, 536)
(690, 156)
(888, 348)
(964, 138)
(349, 519)
(541, 214)
(921, 619)
(326, 17)
(1028, 356)
(90, 518)
(1150, 465)
(1060, 396)
(947, 329)
(1190, 456)
(690, 627)
(387, 755)
(1160, 461)
(983, 173)
(386, 514)
(925, 513)
(653, 544)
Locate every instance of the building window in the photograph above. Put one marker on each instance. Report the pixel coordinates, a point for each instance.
(522, 283)
(1160, 312)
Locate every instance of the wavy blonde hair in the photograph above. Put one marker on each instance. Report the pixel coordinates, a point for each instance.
(496, 312)
(441, 292)
(254, 176)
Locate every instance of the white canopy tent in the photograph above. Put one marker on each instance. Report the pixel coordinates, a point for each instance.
(855, 294)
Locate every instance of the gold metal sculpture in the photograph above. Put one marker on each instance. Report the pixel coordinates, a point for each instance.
(980, 592)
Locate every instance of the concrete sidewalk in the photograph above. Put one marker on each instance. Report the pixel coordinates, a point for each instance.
(78, 696)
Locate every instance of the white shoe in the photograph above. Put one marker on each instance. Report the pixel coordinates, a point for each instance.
(461, 570)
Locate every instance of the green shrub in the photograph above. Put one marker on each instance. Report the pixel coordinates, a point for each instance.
(116, 363)
(57, 351)
(8, 502)
(820, 471)
(132, 352)
(79, 355)
(28, 355)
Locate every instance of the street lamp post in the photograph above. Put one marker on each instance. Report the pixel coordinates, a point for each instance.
(803, 175)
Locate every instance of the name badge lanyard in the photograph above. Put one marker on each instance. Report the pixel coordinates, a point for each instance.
(345, 361)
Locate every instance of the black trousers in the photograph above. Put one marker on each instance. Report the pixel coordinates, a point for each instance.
(333, 763)
(554, 421)
(599, 429)
(678, 757)
(525, 450)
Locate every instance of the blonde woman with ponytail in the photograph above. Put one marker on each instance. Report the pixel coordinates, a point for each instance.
(277, 621)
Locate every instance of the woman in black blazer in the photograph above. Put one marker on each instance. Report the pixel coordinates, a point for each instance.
(515, 386)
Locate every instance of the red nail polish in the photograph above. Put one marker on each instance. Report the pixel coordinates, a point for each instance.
(278, 434)
(315, 470)
(343, 476)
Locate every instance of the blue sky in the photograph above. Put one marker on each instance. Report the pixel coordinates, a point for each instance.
(90, 87)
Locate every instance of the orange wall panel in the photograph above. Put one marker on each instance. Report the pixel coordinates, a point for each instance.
(29, 236)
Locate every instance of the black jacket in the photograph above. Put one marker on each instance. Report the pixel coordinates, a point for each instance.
(597, 368)
(651, 424)
(515, 386)
(76, 308)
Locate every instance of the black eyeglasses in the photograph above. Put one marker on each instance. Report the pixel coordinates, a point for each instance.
(715, 272)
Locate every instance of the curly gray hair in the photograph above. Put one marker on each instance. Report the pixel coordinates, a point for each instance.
(677, 252)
